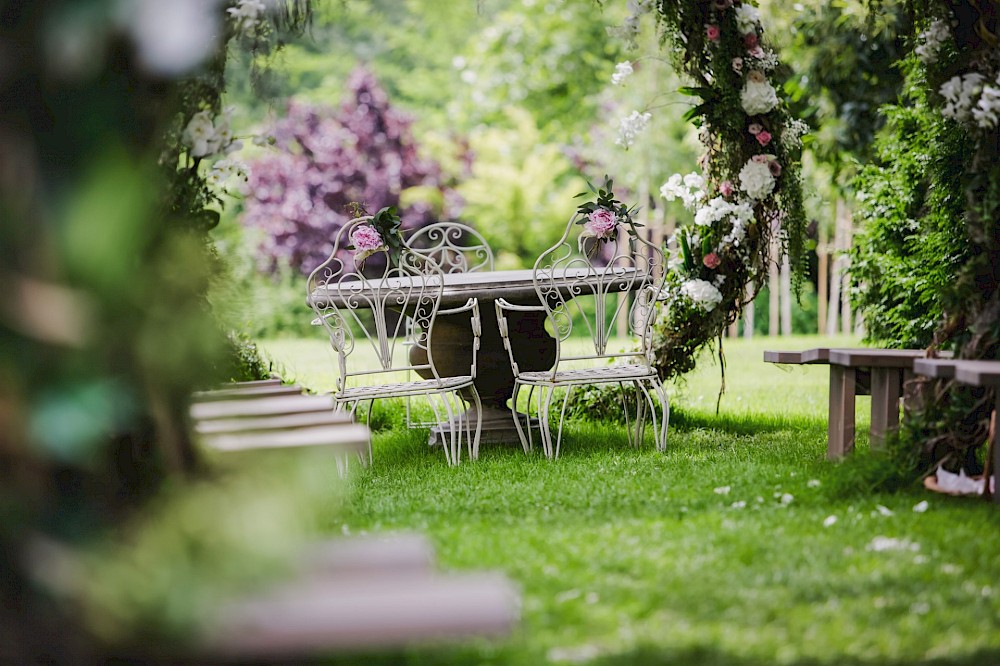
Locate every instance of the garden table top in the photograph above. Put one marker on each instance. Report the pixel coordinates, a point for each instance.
(514, 285)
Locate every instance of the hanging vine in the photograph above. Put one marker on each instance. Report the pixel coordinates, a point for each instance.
(748, 192)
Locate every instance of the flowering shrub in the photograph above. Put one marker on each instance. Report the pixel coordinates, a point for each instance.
(302, 193)
(748, 190)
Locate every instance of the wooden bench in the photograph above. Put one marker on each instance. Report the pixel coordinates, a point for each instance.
(882, 373)
(264, 416)
(976, 373)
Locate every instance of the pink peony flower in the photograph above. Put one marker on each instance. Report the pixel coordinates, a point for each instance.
(755, 128)
(366, 241)
(711, 260)
(726, 188)
(601, 223)
(760, 159)
(757, 52)
(750, 40)
(774, 167)
(712, 32)
(763, 137)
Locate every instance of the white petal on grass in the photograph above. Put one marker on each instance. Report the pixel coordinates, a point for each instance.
(813, 483)
(575, 654)
(787, 499)
(738, 505)
(722, 490)
(883, 510)
(921, 507)
(881, 544)
(830, 520)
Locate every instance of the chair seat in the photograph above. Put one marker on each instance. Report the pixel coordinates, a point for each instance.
(611, 373)
(403, 389)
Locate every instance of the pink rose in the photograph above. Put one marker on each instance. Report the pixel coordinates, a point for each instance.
(601, 223)
(763, 137)
(711, 260)
(760, 159)
(755, 128)
(712, 32)
(366, 239)
(757, 52)
(738, 65)
(726, 188)
(750, 40)
(774, 167)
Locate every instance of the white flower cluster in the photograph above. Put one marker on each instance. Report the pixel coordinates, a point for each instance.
(793, 132)
(758, 95)
(623, 70)
(718, 209)
(931, 41)
(747, 18)
(630, 126)
(960, 94)
(768, 60)
(704, 294)
(689, 189)
(756, 179)
(204, 137)
(246, 14)
(225, 169)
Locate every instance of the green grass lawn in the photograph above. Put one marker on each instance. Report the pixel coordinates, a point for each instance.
(739, 545)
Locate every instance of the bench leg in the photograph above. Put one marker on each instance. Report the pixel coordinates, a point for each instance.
(886, 389)
(995, 450)
(840, 437)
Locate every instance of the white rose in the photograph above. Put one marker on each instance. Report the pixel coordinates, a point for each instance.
(747, 18)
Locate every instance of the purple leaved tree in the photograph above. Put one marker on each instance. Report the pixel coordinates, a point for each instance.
(301, 193)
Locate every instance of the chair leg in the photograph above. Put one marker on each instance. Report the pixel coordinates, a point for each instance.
(544, 431)
(454, 429)
(661, 393)
(445, 426)
(474, 439)
(562, 417)
(628, 426)
(525, 441)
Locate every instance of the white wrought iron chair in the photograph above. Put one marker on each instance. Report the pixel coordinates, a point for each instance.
(456, 248)
(566, 276)
(370, 308)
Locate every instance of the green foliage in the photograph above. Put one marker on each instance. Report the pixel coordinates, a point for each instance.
(912, 241)
(520, 191)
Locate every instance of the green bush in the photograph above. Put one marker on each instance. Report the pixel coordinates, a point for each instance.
(912, 239)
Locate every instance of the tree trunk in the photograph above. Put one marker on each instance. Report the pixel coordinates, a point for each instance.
(748, 320)
(786, 296)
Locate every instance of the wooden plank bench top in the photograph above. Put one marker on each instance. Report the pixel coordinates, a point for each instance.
(817, 355)
(346, 437)
(245, 392)
(939, 368)
(262, 406)
(978, 372)
(318, 613)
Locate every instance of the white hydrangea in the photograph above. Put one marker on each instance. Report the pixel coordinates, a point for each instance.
(747, 18)
(756, 179)
(688, 188)
(959, 93)
(704, 294)
(246, 14)
(930, 41)
(630, 126)
(758, 96)
(987, 110)
(623, 70)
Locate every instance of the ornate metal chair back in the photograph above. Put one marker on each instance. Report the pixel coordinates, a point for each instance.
(362, 307)
(455, 247)
(601, 276)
